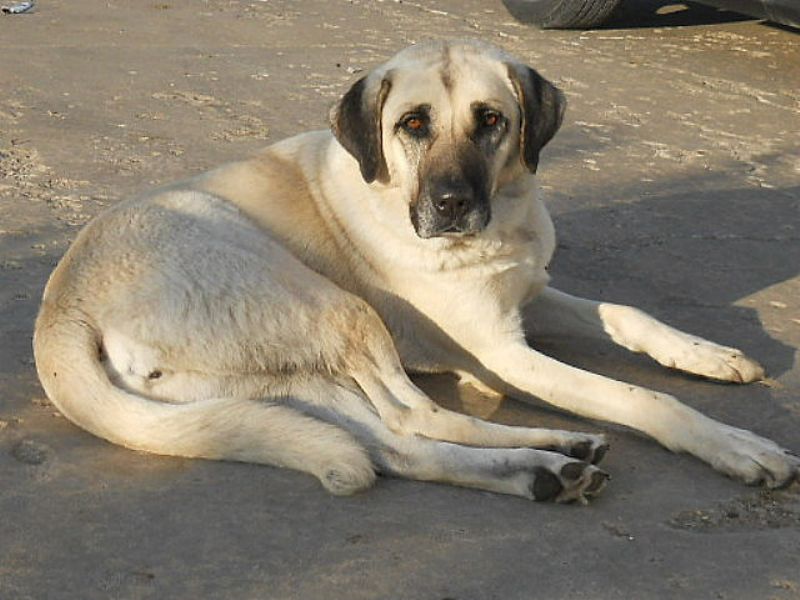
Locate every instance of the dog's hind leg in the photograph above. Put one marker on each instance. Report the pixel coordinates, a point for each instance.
(406, 410)
(530, 473)
(422, 416)
(535, 474)
(218, 427)
(557, 313)
(272, 434)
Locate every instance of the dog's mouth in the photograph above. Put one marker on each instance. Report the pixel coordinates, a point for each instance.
(457, 232)
(428, 222)
(454, 230)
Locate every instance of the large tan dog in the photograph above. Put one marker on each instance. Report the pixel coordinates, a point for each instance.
(267, 311)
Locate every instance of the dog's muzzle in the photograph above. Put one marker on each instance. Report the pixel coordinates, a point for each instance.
(450, 207)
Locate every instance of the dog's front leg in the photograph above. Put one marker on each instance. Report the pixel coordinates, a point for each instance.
(733, 451)
(557, 313)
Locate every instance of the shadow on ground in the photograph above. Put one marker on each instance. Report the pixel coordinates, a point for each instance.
(636, 14)
(701, 250)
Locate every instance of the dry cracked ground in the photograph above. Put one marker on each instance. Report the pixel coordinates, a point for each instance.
(675, 186)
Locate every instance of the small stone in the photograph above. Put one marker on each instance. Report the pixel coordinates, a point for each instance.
(30, 452)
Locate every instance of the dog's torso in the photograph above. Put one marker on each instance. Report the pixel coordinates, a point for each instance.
(306, 193)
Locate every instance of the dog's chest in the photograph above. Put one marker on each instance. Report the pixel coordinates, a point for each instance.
(430, 316)
(483, 291)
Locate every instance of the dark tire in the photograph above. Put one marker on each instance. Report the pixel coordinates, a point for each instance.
(562, 14)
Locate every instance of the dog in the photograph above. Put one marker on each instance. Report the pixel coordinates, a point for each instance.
(269, 311)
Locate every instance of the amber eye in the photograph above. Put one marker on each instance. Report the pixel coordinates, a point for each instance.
(416, 124)
(490, 119)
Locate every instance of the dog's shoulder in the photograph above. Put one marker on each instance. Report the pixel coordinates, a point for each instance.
(279, 189)
(276, 178)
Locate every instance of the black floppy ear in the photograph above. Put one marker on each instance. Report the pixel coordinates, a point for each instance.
(542, 108)
(356, 123)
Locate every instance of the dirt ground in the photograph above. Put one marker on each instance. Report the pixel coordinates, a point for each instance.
(675, 186)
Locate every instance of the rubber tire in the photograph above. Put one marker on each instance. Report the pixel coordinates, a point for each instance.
(562, 14)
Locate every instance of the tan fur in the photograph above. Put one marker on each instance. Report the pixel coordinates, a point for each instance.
(266, 311)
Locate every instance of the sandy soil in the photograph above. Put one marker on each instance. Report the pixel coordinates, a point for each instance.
(675, 184)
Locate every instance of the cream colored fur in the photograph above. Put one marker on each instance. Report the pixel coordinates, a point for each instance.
(267, 311)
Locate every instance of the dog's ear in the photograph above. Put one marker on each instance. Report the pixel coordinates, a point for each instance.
(356, 123)
(542, 108)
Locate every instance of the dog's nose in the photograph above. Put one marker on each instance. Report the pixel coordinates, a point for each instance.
(452, 200)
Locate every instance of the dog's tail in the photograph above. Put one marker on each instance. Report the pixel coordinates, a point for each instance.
(67, 348)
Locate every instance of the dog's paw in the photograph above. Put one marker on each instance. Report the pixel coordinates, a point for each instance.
(587, 447)
(346, 479)
(707, 359)
(755, 460)
(573, 481)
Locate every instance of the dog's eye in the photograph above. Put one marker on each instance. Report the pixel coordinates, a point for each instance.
(415, 124)
(490, 119)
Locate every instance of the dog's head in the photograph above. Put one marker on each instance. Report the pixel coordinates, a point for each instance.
(449, 124)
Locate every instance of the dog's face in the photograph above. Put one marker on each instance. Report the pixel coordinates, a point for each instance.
(449, 124)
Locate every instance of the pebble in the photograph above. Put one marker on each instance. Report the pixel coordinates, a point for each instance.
(30, 452)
